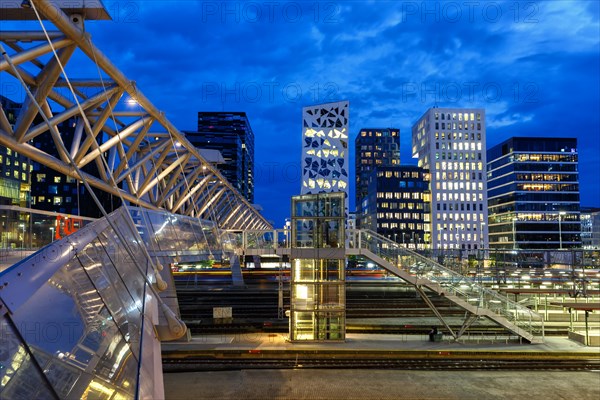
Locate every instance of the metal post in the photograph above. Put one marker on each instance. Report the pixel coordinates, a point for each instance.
(587, 338)
(560, 214)
(514, 231)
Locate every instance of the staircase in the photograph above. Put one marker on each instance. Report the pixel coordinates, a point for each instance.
(463, 291)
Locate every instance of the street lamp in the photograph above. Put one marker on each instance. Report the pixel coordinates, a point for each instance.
(560, 214)
(22, 239)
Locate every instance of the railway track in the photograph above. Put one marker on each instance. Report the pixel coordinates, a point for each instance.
(193, 364)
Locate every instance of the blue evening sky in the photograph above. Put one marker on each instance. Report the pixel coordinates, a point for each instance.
(533, 65)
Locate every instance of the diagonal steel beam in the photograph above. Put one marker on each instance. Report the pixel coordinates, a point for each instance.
(151, 174)
(142, 161)
(64, 168)
(133, 148)
(45, 82)
(66, 114)
(235, 223)
(35, 52)
(213, 198)
(231, 215)
(111, 142)
(4, 124)
(175, 183)
(190, 193)
(181, 160)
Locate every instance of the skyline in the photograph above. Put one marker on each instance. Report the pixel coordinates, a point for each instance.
(391, 60)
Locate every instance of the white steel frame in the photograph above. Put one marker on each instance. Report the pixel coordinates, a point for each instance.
(140, 155)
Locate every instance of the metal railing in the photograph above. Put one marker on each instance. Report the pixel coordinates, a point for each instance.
(450, 282)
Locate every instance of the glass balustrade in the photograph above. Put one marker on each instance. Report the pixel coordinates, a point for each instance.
(449, 281)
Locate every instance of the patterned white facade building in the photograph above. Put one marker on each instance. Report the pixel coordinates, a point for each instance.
(451, 143)
(325, 148)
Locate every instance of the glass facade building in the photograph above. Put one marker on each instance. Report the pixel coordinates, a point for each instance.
(231, 134)
(53, 191)
(318, 291)
(533, 193)
(373, 148)
(451, 143)
(398, 204)
(590, 228)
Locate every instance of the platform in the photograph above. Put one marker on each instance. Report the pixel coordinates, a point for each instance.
(379, 383)
(255, 343)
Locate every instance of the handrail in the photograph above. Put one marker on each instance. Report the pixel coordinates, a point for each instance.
(451, 282)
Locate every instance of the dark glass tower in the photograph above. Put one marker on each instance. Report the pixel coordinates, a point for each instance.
(374, 148)
(231, 134)
(533, 194)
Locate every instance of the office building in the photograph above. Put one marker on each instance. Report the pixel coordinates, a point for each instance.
(325, 149)
(533, 193)
(15, 187)
(373, 148)
(54, 191)
(398, 204)
(450, 143)
(231, 134)
(590, 228)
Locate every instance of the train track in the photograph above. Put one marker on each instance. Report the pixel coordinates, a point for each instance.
(192, 364)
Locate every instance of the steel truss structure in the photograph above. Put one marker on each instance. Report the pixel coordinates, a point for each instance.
(140, 155)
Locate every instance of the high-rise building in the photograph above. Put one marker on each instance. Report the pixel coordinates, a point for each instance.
(373, 148)
(325, 149)
(15, 187)
(54, 191)
(398, 204)
(533, 193)
(232, 135)
(590, 228)
(15, 168)
(450, 143)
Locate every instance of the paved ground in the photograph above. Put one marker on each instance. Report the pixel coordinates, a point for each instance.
(382, 384)
(351, 384)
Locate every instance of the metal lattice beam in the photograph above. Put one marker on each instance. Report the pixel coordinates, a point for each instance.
(141, 156)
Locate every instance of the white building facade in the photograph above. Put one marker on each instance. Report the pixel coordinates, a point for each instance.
(451, 143)
(325, 163)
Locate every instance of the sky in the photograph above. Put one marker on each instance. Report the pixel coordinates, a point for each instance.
(533, 65)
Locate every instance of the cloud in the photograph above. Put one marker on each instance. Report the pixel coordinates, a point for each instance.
(533, 67)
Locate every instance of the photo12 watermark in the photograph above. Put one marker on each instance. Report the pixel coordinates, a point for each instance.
(469, 92)
(470, 11)
(268, 92)
(269, 12)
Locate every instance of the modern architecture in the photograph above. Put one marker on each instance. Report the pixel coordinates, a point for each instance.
(533, 193)
(450, 143)
(590, 228)
(231, 134)
(318, 291)
(397, 205)
(373, 148)
(325, 149)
